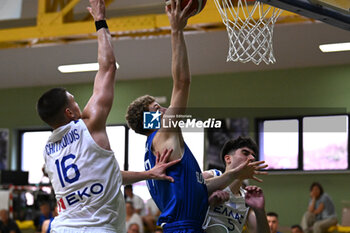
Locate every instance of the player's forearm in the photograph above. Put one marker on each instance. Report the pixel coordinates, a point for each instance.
(130, 177)
(221, 182)
(100, 103)
(106, 58)
(180, 73)
(180, 66)
(262, 224)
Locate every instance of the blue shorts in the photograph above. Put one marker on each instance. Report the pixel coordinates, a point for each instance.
(185, 226)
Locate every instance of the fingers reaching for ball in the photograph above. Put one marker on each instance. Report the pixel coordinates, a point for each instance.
(188, 7)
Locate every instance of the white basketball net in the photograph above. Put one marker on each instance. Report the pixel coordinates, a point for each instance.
(250, 30)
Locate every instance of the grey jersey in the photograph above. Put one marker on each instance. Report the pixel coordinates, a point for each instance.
(229, 217)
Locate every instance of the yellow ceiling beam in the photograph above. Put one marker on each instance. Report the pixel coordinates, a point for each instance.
(69, 6)
(48, 16)
(343, 5)
(52, 27)
(44, 31)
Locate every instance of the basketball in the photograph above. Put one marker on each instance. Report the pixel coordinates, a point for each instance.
(197, 5)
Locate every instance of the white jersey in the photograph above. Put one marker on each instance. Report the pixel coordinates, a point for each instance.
(86, 179)
(228, 217)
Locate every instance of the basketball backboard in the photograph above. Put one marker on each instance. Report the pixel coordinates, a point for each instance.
(334, 12)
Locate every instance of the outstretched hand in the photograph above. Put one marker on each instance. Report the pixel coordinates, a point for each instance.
(218, 197)
(158, 172)
(97, 9)
(249, 169)
(177, 17)
(254, 197)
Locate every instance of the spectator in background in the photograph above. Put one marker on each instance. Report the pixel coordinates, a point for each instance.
(45, 213)
(7, 225)
(132, 216)
(296, 229)
(151, 217)
(158, 230)
(133, 228)
(4, 138)
(137, 201)
(321, 212)
(272, 219)
(46, 227)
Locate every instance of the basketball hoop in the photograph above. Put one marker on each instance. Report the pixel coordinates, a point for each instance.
(249, 25)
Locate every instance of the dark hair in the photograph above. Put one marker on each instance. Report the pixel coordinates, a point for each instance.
(128, 186)
(134, 114)
(296, 226)
(51, 104)
(318, 185)
(233, 144)
(44, 203)
(272, 214)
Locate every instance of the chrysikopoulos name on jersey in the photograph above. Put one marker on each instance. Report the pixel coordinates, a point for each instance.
(67, 139)
(191, 123)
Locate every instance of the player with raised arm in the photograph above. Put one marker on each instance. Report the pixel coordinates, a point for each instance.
(183, 203)
(243, 205)
(78, 159)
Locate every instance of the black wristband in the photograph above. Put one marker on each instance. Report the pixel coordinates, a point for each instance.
(100, 24)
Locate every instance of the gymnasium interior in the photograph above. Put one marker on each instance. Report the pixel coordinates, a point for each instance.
(304, 83)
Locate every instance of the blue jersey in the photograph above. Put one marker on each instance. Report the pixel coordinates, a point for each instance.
(49, 227)
(186, 200)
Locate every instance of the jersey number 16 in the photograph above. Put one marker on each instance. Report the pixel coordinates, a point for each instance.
(62, 170)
